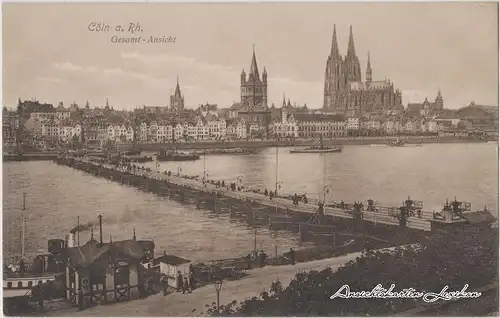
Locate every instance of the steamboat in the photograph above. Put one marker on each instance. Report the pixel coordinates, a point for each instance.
(400, 143)
(318, 149)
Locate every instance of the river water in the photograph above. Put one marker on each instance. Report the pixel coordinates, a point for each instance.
(57, 195)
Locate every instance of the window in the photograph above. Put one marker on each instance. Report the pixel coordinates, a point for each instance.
(30, 284)
(19, 284)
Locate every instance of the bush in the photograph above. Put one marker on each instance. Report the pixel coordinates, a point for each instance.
(464, 256)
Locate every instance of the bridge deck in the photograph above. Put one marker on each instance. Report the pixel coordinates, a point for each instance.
(382, 216)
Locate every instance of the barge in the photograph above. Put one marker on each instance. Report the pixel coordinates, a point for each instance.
(176, 156)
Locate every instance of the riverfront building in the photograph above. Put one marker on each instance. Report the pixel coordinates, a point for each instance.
(344, 90)
(426, 108)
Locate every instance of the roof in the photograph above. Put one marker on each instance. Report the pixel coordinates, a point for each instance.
(376, 85)
(171, 260)
(415, 106)
(479, 217)
(318, 117)
(490, 110)
(211, 117)
(83, 256)
(236, 106)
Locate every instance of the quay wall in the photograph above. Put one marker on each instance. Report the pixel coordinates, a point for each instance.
(292, 143)
(253, 208)
(30, 157)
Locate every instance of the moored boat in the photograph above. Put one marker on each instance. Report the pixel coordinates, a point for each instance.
(138, 158)
(396, 143)
(231, 151)
(316, 150)
(176, 156)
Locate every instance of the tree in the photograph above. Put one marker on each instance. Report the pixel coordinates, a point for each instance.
(455, 258)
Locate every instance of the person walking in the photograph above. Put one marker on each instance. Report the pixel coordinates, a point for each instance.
(292, 256)
(185, 288)
(179, 283)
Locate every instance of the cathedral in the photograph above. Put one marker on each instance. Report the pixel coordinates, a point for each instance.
(177, 100)
(345, 92)
(253, 89)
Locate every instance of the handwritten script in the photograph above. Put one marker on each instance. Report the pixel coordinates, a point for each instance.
(130, 33)
(380, 292)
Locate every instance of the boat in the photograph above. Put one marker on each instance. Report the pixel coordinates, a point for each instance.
(176, 156)
(21, 273)
(232, 151)
(396, 143)
(317, 149)
(139, 158)
(132, 153)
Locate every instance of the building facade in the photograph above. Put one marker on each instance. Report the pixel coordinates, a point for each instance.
(177, 99)
(344, 90)
(253, 89)
(427, 108)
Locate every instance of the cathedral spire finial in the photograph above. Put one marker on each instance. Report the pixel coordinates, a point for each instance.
(351, 52)
(254, 70)
(335, 47)
(368, 69)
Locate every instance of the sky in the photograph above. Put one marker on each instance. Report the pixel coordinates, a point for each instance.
(49, 53)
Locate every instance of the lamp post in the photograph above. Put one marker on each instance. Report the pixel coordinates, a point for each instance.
(326, 190)
(218, 287)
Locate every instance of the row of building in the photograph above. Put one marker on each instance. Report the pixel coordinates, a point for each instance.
(290, 125)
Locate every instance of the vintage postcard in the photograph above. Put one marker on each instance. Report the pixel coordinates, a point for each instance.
(250, 159)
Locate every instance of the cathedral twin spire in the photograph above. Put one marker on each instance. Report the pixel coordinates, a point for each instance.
(350, 57)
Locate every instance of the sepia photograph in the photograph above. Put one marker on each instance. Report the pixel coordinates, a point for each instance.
(250, 159)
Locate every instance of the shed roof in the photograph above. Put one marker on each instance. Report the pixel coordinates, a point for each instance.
(172, 260)
(83, 256)
(479, 217)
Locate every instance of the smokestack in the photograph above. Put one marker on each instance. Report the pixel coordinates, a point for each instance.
(100, 228)
(71, 240)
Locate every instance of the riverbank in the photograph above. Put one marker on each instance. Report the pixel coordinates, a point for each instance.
(295, 143)
(30, 157)
(179, 305)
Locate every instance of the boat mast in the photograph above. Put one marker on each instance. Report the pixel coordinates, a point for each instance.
(204, 165)
(277, 162)
(23, 225)
(78, 231)
(324, 178)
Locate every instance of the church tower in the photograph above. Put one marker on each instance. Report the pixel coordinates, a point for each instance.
(353, 69)
(439, 101)
(334, 76)
(368, 70)
(177, 99)
(254, 89)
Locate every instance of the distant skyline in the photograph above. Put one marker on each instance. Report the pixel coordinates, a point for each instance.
(50, 54)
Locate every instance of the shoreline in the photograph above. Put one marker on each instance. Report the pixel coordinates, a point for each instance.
(366, 141)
